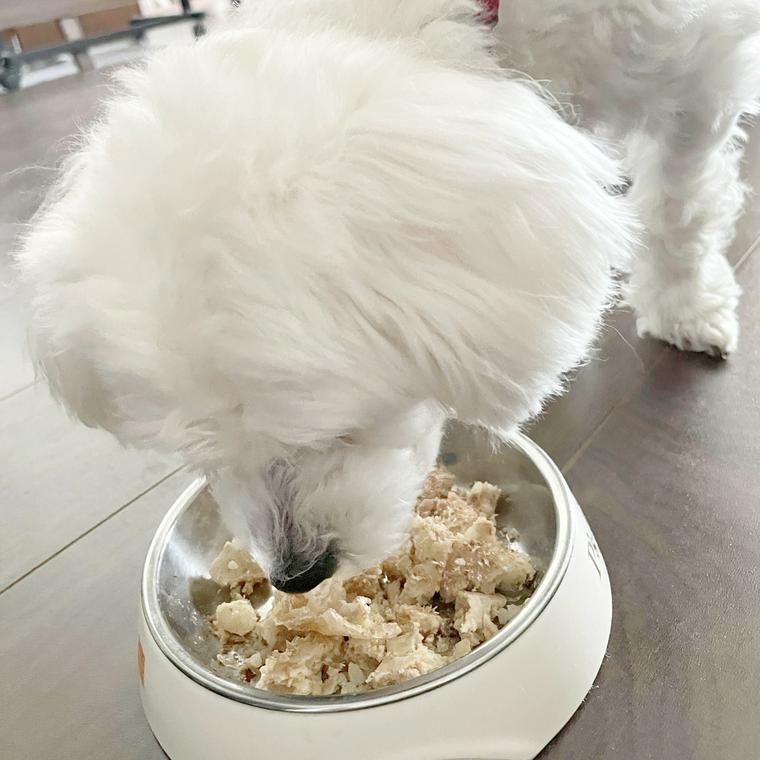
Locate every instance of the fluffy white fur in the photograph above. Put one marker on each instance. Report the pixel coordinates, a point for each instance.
(292, 249)
(670, 80)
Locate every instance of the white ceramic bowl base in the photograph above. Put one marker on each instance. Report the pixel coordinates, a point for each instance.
(507, 708)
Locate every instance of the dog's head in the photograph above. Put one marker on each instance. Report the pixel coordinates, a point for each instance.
(289, 257)
(341, 503)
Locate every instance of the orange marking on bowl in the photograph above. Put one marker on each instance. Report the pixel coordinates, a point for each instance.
(141, 662)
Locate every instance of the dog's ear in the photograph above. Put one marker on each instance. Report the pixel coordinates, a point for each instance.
(62, 300)
(67, 351)
(509, 241)
(71, 377)
(93, 349)
(56, 342)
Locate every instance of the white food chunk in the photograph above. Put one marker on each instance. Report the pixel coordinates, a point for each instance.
(236, 617)
(235, 567)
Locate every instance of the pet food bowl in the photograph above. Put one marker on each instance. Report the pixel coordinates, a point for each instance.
(505, 700)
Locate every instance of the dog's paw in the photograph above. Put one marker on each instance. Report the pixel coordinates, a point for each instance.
(706, 328)
(693, 314)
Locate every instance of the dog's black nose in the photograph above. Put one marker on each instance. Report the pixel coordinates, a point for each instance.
(297, 576)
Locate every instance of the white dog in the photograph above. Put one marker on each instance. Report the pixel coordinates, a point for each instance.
(671, 80)
(293, 249)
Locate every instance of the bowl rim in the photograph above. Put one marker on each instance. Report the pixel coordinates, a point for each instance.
(173, 650)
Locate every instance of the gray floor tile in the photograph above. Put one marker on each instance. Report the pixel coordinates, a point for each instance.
(68, 675)
(618, 367)
(58, 479)
(670, 486)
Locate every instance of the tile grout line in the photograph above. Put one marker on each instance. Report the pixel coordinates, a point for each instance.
(17, 391)
(576, 455)
(91, 529)
(745, 256)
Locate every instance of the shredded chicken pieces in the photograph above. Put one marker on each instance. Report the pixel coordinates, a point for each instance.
(452, 585)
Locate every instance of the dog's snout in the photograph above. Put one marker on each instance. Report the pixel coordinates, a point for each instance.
(297, 575)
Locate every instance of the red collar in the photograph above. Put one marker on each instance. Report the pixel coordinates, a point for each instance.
(491, 10)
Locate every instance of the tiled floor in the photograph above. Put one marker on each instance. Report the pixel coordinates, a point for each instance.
(662, 450)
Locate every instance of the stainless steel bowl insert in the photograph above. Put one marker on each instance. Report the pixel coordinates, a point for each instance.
(178, 597)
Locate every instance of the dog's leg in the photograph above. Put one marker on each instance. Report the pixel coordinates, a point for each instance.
(687, 188)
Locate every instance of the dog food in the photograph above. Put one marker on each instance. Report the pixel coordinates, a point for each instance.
(452, 585)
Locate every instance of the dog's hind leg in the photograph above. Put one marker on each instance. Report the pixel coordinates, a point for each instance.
(688, 191)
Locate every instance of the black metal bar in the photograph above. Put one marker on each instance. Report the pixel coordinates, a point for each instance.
(159, 20)
(136, 29)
